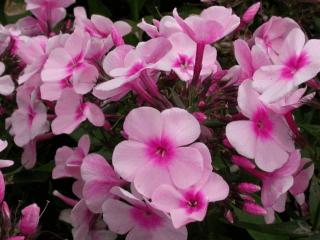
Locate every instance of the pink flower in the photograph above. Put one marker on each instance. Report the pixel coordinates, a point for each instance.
(211, 25)
(71, 111)
(249, 61)
(163, 28)
(6, 83)
(101, 29)
(99, 178)
(29, 155)
(190, 204)
(29, 220)
(181, 58)
(139, 219)
(297, 63)
(69, 66)
(30, 119)
(125, 64)
(264, 137)
(272, 34)
(68, 161)
(88, 226)
(49, 11)
(157, 149)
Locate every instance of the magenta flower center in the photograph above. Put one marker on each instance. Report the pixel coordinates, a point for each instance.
(31, 115)
(134, 69)
(76, 63)
(193, 201)
(294, 64)
(262, 124)
(160, 151)
(146, 218)
(184, 62)
(80, 111)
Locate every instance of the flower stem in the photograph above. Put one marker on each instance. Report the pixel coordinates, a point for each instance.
(198, 64)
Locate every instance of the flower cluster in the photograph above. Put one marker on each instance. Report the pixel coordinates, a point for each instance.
(180, 108)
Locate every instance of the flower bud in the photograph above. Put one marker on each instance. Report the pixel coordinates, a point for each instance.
(246, 187)
(242, 162)
(254, 209)
(229, 216)
(250, 13)
(71, 202)
(200, 116)
(29, 220)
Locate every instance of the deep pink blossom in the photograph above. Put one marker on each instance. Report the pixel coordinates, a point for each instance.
(71, 111)
(29, 220)
(138, 219)
(265, 137)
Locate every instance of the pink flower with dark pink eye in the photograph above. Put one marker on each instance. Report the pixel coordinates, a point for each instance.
(70, 63)
(142, 221)
(99, 177)
(272, 34)
(30, 119)
(157, 149)
(6, 83)
(181, 58)
(49, 11)
(190, 204)
(265, 137)
(71, 111)
(297, 63)
(125, 65)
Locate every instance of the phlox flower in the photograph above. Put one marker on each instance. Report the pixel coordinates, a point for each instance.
(138, 219)
(265, 137)
(99, 177)
(68, 65)
(272, 34)
(71, 111)
(6, 83)
(30, 119)
(190, 204)
(181, 58)
(157, 149)
(87, 225)
(163, 28)
(298, 62)
(125, 64)
(49, 11)
(102, 31)
(249, 60)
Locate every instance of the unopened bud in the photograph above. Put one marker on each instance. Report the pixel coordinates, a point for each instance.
(246, 187)
(242, 162)
(254, 209)
(229, 216)
(200, 116)
(250, 13)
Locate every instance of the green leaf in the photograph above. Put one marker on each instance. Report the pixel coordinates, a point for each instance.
(135, 7)
(97, 7)
(314, 202)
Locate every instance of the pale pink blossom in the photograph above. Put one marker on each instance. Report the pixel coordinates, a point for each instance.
(272, 34)
(189, 205)
(297, 63)
(99, 177)
(87, 225)
(157, 149)
(265, 137)
(181, 58)
(6, 83)
(30, 119)
(71, 111)
(68, 65)
(138, 219)
(125, 64)
(49, 11)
